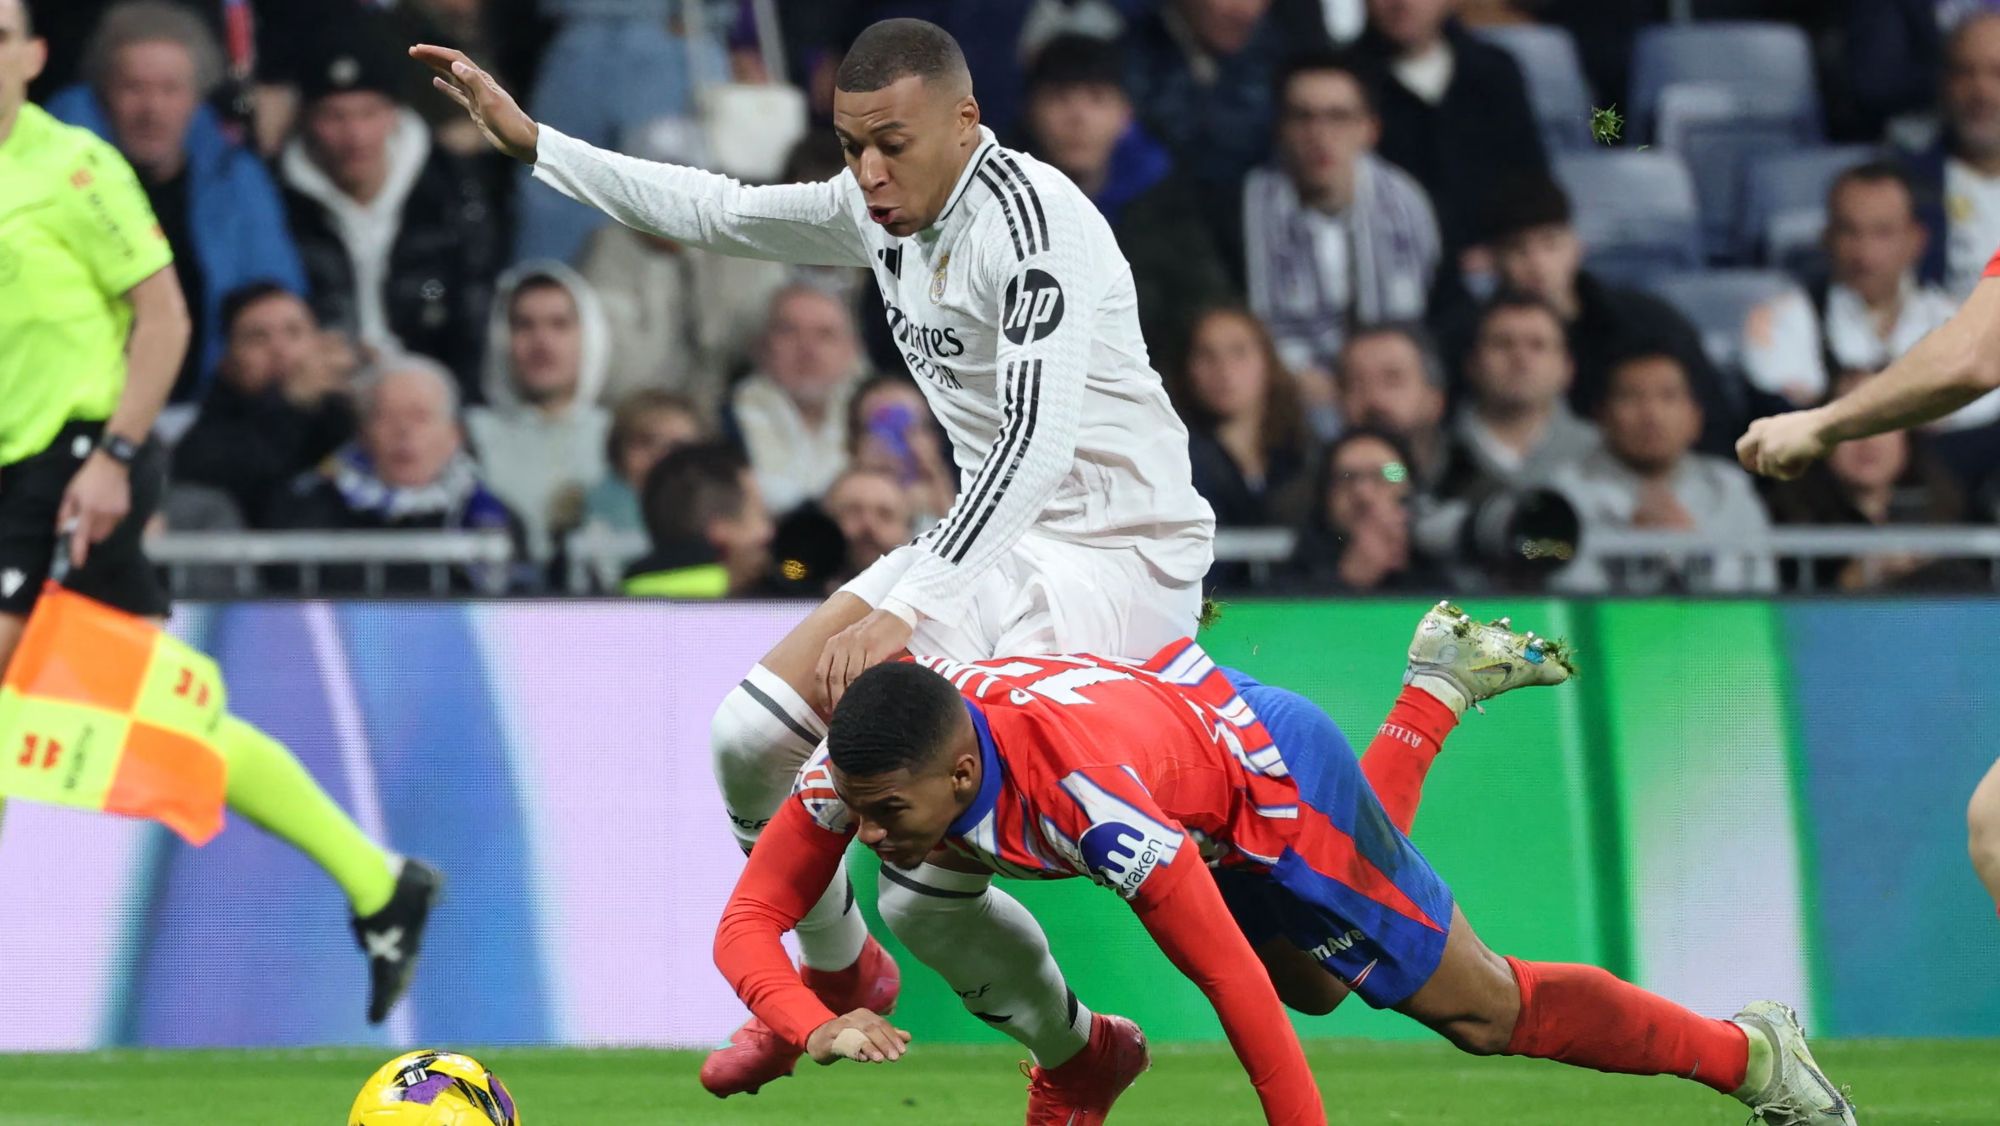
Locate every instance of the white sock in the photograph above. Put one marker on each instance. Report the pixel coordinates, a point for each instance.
(833, 932)
(760, 736)
(991, 951)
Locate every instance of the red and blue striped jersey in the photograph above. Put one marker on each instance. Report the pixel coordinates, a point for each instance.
(1102, 768)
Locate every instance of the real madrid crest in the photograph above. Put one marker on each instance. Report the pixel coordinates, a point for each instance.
(937, 277)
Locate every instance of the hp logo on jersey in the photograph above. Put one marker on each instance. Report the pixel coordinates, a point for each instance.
(1034, 304)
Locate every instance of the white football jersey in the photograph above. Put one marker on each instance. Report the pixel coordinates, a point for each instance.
(1016, 313)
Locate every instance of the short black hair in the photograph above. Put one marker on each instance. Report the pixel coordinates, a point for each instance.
(896, 49)
(1526, 202)
(895, 716)
(1641, 352)
(1071, 60)
(239, 301)
(691, 486)
(1876, 172)
(1326, 59)
(1515, 301)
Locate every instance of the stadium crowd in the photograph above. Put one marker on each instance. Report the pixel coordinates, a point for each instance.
(1409, 267)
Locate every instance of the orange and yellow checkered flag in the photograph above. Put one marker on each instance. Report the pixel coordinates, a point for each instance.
(104, 711)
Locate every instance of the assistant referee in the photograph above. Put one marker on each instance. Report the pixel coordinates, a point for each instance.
(93, 326)
(92, 329)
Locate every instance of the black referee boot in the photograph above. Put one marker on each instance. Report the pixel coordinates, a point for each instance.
(393, 936)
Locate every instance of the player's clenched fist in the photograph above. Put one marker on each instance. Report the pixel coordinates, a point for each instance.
(860, 1035)
(1783, 445)
(507, 127)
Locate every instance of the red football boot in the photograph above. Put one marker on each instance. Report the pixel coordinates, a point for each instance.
(1081, 1091)
(755, 1055)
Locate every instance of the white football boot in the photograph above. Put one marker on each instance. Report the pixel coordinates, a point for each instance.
(1463, 662)
(1798, 1092)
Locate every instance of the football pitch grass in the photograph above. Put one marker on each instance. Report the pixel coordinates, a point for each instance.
(1894, 1082)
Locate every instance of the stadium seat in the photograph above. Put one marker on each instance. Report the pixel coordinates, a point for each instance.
(1557, 87)
(1635, 212)
(1719, 132)
(1718, 302)
(1784, 199)
(1768, 66)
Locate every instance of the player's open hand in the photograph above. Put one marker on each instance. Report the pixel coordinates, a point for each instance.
(506, 125)
(858, 648)
(1783, 445)
(97, 498)
(861, 1036)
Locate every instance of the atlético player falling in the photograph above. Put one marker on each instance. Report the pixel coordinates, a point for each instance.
(1077, 527)
(1237, 823)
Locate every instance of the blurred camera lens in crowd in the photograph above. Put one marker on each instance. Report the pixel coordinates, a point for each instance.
(1523, 537)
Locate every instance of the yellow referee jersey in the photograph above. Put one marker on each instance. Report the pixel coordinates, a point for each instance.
(76, 234)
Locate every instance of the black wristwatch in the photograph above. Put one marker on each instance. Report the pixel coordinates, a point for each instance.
(119, 448)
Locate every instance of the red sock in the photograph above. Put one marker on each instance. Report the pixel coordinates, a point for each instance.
(1581, 1015)
(1402, 751)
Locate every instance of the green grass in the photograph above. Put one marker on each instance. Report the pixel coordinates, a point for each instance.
(1895, 1082)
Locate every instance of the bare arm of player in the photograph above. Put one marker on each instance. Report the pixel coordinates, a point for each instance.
(807, 224)
(1183, 910)
(100, 494)
(1954, 365)
(789, 868)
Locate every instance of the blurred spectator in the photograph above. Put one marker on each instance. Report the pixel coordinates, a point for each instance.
(397, 238)
(791, 414)
(1454, 112)
(1647, 476)
(1247, 439)
(408, 470)
(646, 426)
(150, 66)
(279, 403)
(1357, 538)
(614, 70)
(540, 437)
(1516, 426)
(1391, 379)
(1080, 119)
(681, 317)
(873, 512)
(1869, 312)
(709, 532)
(1959, 176)
(1885, 480)
(1201, 77)
(1333, 236)
(1894, 52)
(890, 429)
(1537, 251)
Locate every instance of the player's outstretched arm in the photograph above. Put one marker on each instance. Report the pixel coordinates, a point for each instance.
(788, 870)
(1183, 910)
(1946, 370)
(808, 224)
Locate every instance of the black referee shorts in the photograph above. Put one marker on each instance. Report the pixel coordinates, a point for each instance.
(117, 571)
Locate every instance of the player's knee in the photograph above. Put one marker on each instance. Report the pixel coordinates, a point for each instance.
(927, 907)
(905, 911)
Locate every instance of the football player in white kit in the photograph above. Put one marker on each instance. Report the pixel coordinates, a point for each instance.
(1076, 528)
